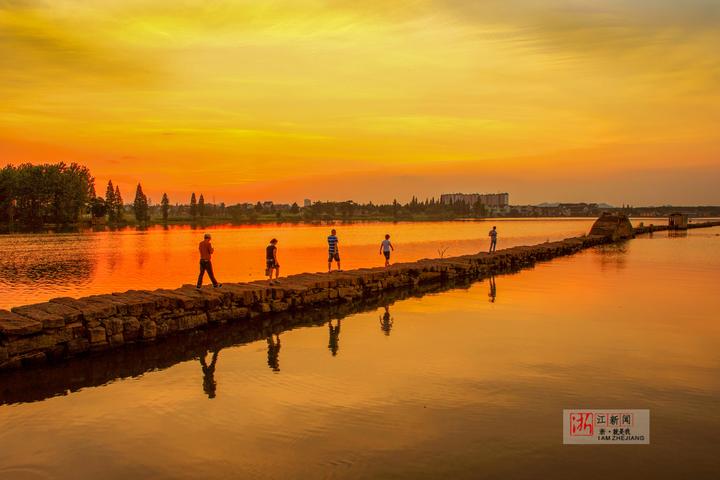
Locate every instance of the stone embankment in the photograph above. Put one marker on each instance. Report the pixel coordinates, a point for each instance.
(68, 327)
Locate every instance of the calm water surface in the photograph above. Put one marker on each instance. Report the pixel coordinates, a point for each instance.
(465, 383)
(35, 268)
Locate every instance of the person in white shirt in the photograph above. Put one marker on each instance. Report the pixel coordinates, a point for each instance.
(385, 248)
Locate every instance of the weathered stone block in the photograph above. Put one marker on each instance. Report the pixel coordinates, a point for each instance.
(13, 324)
(92, 308)
(429, 277)
(191, 321)
(117, 339)
(39, 313)
(113, 325)
(131, 328)
(78, 345)
(148, 329)
(97, 335)
(76, 329)
(278, 306)
(32, 343)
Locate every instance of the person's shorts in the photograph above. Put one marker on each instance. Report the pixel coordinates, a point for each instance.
(271, 263)
(333, 256)
(387, 255)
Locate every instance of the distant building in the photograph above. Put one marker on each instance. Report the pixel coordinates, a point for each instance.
(495, 201)
(678, 221)
(307, 202)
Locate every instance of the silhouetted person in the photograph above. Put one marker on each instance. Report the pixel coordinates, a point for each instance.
(386, 321)
(493, 238)
(271, 261)
(274, 352)
(385, 248)
(206, 250)
(493, 290)
(209, 383)
(333, 250)
(334, 341)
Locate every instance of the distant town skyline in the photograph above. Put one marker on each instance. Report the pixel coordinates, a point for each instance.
(613, 101)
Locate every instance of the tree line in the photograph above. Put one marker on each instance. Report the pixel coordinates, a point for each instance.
(62, 194)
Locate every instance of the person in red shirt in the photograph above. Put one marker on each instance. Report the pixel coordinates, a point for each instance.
(206, 251)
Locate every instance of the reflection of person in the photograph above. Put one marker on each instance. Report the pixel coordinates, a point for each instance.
(333, 251)
(209, 383)
(493, 290)
(206, 250)
(493, 238)
(273, 352)
(271, 261)
(386, 321)
(385, 248)
(334, 341)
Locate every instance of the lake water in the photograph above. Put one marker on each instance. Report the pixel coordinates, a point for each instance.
(468, 382)
(36, 268)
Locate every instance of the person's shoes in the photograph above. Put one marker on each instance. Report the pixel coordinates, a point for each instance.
(198, 287)
(219, 285)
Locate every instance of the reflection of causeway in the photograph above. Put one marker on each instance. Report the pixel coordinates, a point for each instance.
(46, 381)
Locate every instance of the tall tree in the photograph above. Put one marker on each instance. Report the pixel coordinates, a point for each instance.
(119, 206)
(140, 205)
(201, 206)
(193, 206)
(110, 203)
(165, 202)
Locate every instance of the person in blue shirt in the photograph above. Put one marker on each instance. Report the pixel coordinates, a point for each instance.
(493, 238)
(333, 251)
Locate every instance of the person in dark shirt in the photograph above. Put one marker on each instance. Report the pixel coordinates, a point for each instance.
(333, 251)
(271, 261)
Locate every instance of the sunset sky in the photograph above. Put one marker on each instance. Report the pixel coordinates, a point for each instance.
(611, 101)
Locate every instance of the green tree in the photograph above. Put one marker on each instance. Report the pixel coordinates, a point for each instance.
(165, 202)
(98, 209)
(111, 202)
(140, 205)
(193, 206)
(295, 208)
(119, 206)
(201, 206)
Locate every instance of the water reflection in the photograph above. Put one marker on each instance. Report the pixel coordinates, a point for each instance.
(386, 321)
(612, 255)
(209, 383)
(114, 260)
(37, 383)
(334, 340)
(493, 289)
(273, 352)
